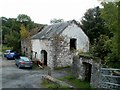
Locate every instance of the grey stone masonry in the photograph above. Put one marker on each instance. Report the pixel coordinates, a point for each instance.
(99, 77)
(86, 68)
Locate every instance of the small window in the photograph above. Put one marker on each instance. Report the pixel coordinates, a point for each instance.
(72, 44)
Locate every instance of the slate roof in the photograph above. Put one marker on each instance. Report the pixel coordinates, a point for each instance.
(51, 30)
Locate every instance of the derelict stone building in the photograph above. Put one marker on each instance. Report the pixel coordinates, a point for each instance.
(55, 44)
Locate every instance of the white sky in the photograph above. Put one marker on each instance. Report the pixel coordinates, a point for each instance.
(42, 11)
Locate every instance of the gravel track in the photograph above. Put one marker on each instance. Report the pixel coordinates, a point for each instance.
(12, 77)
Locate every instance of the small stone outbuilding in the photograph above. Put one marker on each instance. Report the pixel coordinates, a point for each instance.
(55, 44)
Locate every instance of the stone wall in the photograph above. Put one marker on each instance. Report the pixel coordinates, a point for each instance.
(26, 47)
(38, 46)
(74, 31)
(100, 77)
(95, 74)
(79, 70)
(57, 48)
(61, 53)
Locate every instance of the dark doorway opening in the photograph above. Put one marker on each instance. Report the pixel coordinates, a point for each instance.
(44, 57)
(88, 68)
(72, 44)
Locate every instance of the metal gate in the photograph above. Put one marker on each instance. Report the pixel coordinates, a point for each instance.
(110, 78)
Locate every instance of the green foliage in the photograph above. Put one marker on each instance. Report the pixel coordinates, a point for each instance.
(111, 18)
(12, 31)
(13, 40)
(100, 48)
(23, 18)
(102, 27)
(4, 47)
(76, 82)
(8, 26)
(93, 24)
(53, 21)
(24, 32)
(26, 21)
(71, 79)
(97, 30)
(110, 14)
(48, 84)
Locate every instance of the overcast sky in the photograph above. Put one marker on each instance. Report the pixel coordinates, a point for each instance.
(42, 11)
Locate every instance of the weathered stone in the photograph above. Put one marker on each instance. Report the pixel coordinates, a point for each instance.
(56, 40)
(87, 69)
(99, 77)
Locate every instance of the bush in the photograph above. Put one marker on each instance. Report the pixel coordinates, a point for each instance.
(4, 47)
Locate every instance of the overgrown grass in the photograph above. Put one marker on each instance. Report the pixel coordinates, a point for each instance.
(48, 84)
(76, 82)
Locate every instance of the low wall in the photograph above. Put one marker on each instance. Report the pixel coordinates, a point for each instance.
(99, 77)
(79, 70)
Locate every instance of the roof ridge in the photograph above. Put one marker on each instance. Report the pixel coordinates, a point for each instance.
(48, 31)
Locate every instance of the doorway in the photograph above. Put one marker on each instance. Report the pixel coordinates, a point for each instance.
(88, 68)
(44, 57)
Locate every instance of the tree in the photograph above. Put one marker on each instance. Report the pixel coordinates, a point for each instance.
(13, 40)
(93, 24)
(110, 14)
(26, 21)
(24, 32)
(101, 26)
(102, 47)
(23, 18)
(53, 21)
(9, 25)
(16, 29)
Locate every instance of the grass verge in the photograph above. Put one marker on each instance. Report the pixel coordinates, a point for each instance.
(48, 84)
(76, 82)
